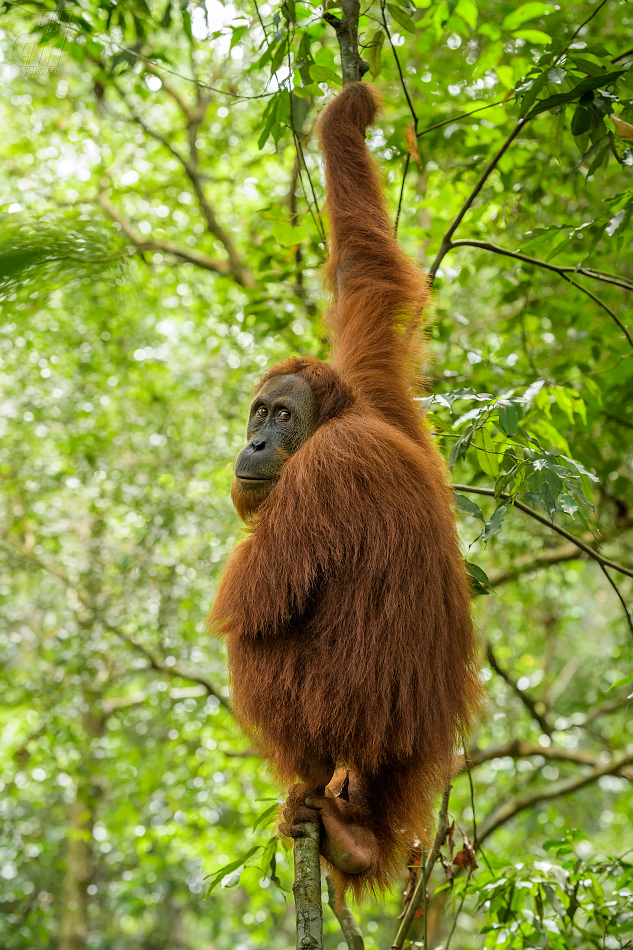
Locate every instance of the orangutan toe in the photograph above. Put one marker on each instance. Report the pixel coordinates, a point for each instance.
(292, 831)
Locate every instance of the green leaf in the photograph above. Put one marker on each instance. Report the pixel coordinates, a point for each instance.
(374, 52)
(232, 866)
(478, 579)
(554, 843)
(506, 76)
(289, 235)
(266, 813)
(602, 157)
(509, 418)
(536, 37)
(281, 54)
(623, 682)
(581, 120)
(186, 23)
(467, 10)
(468, 506)
(493, 526)
(237, 34)
(592, 82)
(232, 879)
(402, 19)
(324, 74)
(165, 20)
(269, 117)
(548, 498)
(487, 453)
(527, 11)
(553, 900)
(307, 92)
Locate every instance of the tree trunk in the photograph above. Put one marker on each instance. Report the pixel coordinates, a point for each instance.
(80, 855)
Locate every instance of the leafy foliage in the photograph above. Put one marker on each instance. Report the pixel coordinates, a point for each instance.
(160, 202)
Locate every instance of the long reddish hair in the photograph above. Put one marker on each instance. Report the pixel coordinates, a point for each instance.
(347, 607)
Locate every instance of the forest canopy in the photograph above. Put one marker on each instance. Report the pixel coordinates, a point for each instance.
(162, 234)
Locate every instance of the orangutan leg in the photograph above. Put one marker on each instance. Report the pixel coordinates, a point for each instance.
(349, 847)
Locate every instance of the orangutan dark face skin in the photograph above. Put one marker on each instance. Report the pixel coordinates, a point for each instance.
(283, 416)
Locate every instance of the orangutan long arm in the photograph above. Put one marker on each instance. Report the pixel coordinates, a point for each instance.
(378, 292)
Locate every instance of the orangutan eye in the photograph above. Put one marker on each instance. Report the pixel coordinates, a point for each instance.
(284, 414)
(262, 412)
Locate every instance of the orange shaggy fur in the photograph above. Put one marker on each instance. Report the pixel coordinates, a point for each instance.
(346, 608)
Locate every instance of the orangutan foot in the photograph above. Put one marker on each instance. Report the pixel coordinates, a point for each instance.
(348, 847)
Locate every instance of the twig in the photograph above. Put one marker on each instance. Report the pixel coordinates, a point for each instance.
(85, 601)
(307, 889)
(349, 924)
(424, 874)
(594, 555)
(458, 118)
(619, 596)
(458, 910)
(527, 701)
(519, 749)
(446, 240)
(159, 667)
(578, 29)
(601, 303)
(505, 812)
(142, 244)
(561, 269)
(603, 709)
(624, 55)
(399, 67)
(404, 178)
(414, 114)
(261, 22)
(532, 562)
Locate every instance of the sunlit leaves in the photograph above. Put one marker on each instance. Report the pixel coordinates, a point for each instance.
(525, 12)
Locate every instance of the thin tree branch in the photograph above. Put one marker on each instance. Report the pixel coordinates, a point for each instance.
(156, 664)
(578, 29)
(603, 709)
(424, 874)
(414, 114)
(190, 166)
(399, 66)
(527, 700)
(349, 925)
(307, 889)
(518, 749)
(531, 562)
(261, 22)
(505, 812)
(404, 178)
(594, 555)
(619, 596)
(601, 303)
(117, 703)
(624, 55)
(85, 601)
(458, 910)
(492, 164)
(458, 118)
(169, 89)
(142, 244)
(561, 269)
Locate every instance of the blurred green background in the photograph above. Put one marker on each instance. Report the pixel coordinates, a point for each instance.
(160, 247)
